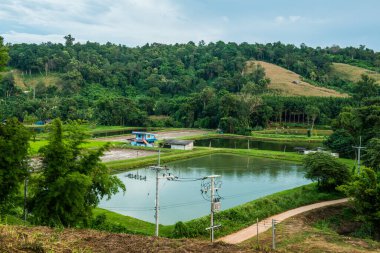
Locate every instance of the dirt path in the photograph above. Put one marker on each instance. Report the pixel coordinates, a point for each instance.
(266, 224)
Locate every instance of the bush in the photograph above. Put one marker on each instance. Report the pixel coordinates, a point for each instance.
(180, 230)
(326, 170)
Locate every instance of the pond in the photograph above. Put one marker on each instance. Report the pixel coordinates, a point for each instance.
(254, 144)
(243, 179)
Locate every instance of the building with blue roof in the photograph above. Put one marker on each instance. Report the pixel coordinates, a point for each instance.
(143, 139)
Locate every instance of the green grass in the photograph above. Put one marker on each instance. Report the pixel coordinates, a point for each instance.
(36, 145)
(132, 225)
(13, 220)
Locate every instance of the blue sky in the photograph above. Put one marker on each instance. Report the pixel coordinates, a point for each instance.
(136, 22)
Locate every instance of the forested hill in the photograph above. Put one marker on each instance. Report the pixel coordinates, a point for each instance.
(192, 85)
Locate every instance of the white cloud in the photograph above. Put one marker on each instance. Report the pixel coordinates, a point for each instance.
(287, 20)
(129, 22)
(294, 18)
(16, 37)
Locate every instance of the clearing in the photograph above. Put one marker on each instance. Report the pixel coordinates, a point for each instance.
(25, 81)
(160, 135)
(352, 73)
(289, 83)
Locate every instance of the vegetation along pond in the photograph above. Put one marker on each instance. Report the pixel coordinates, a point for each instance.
(261, 145)
(243, 179)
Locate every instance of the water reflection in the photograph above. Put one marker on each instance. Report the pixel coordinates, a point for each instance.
(244, 179)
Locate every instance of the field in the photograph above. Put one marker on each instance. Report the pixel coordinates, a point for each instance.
(352, 73)
(289, 83)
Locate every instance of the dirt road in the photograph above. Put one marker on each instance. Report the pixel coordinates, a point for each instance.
(266, 224)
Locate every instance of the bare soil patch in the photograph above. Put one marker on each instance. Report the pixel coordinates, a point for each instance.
(123, 154)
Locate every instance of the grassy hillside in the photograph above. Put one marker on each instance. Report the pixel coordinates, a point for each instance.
(289, 83)
(352, 73)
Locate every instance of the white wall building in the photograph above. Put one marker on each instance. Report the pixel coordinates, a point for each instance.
(179, 144)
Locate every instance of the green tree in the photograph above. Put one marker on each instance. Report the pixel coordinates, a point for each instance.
(341, 141)
(14, 146)
(371, 157)
(69, 40)
(365, 191)
(72, 181)
(312, 113)
(4, 56)
(365, 88)
(326, 170)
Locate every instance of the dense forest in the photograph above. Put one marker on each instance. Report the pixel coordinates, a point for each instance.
(182, 85)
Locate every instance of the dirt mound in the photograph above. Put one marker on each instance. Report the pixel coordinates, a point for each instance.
(43, 239)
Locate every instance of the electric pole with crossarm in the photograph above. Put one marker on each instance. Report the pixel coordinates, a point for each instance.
(359, 148)
(215, 202)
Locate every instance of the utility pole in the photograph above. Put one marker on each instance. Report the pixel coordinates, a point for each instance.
(158, 169)
(257, 231)
(25, 193)
(215, 205)
(274, 234)
(359, 148)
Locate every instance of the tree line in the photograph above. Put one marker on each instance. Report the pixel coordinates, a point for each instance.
(192, 85)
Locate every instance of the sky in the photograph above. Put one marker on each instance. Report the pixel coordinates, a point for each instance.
(137, 22)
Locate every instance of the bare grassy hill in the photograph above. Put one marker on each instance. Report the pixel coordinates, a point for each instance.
(289, 83)
(352, 73)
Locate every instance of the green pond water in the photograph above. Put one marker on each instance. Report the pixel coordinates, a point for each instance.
(253, 144)
(242, 179)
